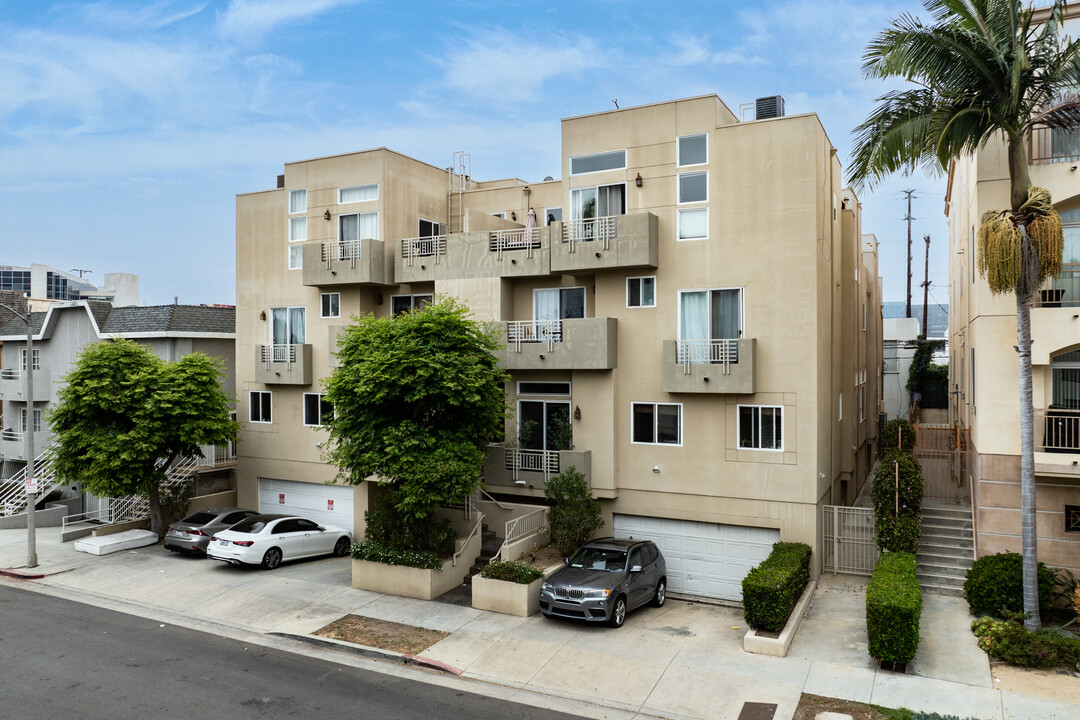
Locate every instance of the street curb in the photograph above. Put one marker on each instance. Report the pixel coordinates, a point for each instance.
(370, 652)
(22, 574)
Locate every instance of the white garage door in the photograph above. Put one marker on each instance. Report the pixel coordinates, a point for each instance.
(702, 558)
(325, 504)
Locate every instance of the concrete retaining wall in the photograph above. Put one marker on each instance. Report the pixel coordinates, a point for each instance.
(506, 597)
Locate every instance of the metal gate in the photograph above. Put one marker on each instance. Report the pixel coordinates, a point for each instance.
(848, 541)
(942, 451)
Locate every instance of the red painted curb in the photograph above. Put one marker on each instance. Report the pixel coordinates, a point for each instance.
(433, 664)
(22, 574)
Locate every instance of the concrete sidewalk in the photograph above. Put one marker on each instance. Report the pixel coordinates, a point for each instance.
(684, 660)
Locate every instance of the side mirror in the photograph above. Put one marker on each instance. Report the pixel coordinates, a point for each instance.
(635, 568)
(566, 561)
(322, 529)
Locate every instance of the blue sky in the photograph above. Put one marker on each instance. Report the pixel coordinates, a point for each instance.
(127, 128)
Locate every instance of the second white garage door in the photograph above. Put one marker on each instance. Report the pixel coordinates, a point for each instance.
(703, 559)
(325, 504)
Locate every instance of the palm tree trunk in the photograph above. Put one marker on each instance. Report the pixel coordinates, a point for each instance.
(1029, 536)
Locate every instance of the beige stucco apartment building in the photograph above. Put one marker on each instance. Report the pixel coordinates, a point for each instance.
(694, 322)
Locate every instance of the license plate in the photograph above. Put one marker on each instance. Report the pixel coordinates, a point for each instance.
(223, 543)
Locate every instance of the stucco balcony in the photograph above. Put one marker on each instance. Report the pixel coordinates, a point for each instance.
(13, 385)
(488, 253)
(530, 469)
(708, 366)
(13, 443)
(571, 344)
(621, 241)
(353, 262)
(283, 364)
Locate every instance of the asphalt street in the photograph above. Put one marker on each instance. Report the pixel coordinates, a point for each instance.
(62, 659)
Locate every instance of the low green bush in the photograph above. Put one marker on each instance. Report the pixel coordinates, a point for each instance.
(514, 572)
(376, 552)
(893, 607)
(384, 525)
(1011, 642)
(995, 585)
(770, 590)
(574, 514)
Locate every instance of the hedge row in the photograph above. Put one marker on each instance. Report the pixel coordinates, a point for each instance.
(893, 608)
(770, 590)
(374, 552)
(897, 507)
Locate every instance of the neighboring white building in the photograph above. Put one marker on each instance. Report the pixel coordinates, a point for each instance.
(47, 285)
(898, 336)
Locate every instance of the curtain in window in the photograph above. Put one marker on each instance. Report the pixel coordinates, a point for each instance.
(694, 325)
(725, 314)
(546, 304)
(296, 326)
(280, 326)
(610, 200)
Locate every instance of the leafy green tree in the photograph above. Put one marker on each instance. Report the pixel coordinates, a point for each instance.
(417, 398)
(574, 513)
(125, 415)
(983, 71)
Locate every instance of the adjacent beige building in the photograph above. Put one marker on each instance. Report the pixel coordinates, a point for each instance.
(693, 321)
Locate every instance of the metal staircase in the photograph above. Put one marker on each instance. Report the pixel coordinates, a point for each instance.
(13, 490)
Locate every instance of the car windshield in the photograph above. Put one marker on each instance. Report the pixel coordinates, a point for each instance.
(199, 518)
(249, 525)
(592, 558)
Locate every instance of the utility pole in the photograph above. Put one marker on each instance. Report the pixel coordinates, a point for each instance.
(926, 288)
(909, 193)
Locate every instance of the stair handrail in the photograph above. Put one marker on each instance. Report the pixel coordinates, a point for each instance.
(14, 499)
(486, 494)
(514, 533)
(475, 530)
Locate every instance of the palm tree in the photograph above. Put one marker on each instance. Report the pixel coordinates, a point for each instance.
(984, 71)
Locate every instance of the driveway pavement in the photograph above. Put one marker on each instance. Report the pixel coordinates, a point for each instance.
(684, 660)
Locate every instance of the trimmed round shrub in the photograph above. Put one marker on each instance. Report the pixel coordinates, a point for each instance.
(995, 585)
(514, 572)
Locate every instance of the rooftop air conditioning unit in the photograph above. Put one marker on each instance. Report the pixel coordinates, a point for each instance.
(769, 107)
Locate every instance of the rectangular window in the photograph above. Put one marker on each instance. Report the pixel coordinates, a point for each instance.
(693, 150)
(656, 423)
(542, 387)
(694, 187)
(889, 356)
(296, 257)
(331, 305)
(1072, 518)
(428, 228)
(317, 411)
(862, 403)
(358, 193)
(710, 325)
(287, 325)
(259, 403)
(641, 292)
(22, 358)
(864, 316)
(761, 427)
(544, 425)
(600, 201)
(404, 303)
(22, 420)
(694, 224)
(358, 226)
(583, 164)
(297, 201)
(552, 214)
(558, 303)
(297, 229)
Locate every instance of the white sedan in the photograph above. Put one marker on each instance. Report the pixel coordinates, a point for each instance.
(268, 540)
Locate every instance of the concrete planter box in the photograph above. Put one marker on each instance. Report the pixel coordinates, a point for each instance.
(407, 581)
(778, 647)
(503, 596)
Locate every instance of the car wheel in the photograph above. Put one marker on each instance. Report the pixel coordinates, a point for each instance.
(271, 559)
(618, 612)
(661, 593)
(341, 547)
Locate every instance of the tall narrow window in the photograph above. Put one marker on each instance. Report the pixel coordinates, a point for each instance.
(287, 326)
(317, 411)
(22, 358)
(297, 201)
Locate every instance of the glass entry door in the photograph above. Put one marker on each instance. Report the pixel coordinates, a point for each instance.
(544, 425)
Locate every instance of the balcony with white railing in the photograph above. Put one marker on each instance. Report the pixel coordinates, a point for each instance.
(13, 385)
(527, 469)
(515, 252)
(570, 344)
(720, 366)
(283, 364)
(618, 241)
(345, 262)
(13, 443)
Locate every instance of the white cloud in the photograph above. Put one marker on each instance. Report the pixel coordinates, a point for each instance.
(251, 19)
(151, 16)
(505, 68)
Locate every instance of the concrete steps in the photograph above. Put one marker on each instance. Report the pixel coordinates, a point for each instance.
(489, 548)
(946, 550)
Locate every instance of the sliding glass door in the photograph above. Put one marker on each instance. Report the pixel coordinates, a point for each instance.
(706, 317)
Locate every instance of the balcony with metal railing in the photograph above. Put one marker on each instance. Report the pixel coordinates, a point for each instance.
(13, 385)
(516, 252)
(283, 364)
(619, 241)
(530, 469)
(1062, 290)
(1057, 431)
(13, 443)
(720, 366)
(348, 262)
(570, 344)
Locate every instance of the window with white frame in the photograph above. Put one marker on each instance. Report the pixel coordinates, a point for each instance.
(297, 229)
(358, 193)
(761, 427)
(296, 257)
(584, 164)
(317, 411)
(656, 423)
(355, 227)
(641, 292)
(552, 214)
(22, 420)
(297, 201)
(330, 304)
(22, 359)
(693, 150)
(259, 406)
(404, 303)
(596, 202)
(693, 221)
(501, 215)
(287, 326)
(710, 325)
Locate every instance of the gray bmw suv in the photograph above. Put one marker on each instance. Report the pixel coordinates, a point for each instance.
(604, 580)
